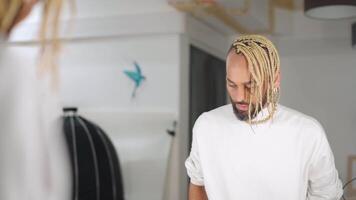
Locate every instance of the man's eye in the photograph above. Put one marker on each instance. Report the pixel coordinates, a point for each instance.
(250, 85)
(233, 86)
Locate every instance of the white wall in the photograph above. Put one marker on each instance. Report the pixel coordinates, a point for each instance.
(92, 73)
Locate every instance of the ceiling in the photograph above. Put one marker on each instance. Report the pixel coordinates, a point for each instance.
(278, 17)
(243, 16)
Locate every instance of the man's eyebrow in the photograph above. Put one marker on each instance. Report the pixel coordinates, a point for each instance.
(230, 81)
(248, 82)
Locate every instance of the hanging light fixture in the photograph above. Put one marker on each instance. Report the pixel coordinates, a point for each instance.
(330, 9)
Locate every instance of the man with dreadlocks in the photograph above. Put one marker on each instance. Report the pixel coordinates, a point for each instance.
(255, 148)
(33, 160)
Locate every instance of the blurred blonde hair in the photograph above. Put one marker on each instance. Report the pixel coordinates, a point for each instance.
(8, 11)
(48, 32)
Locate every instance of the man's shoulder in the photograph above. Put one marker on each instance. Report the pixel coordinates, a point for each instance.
(209, 119)
(222, 112)
(219, 112)
(290, 115)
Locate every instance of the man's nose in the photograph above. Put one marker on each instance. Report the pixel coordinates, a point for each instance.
(240, 96)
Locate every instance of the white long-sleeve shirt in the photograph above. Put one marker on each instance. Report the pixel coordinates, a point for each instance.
(33, 157)
(286, 158)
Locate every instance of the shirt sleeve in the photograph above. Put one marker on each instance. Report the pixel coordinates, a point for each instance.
(192, 163)
(324, 182)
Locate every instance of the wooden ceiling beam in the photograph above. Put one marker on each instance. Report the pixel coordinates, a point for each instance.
(211, 7)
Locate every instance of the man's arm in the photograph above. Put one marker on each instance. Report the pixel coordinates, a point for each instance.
(194, 168)
(324, 182)
(197, 192)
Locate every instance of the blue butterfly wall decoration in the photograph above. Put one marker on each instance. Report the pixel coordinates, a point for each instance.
(135, 76)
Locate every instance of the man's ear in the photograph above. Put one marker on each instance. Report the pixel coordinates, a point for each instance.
(277, 82)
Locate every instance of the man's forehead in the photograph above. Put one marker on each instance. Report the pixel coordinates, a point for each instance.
(236, 61)
(235, 56)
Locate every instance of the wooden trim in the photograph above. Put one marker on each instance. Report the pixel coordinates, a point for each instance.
(285, 4)
(351, 191)
(212, 7)
(216, 10)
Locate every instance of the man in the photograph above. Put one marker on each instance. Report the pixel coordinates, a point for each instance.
(33, 160)
(255, 148)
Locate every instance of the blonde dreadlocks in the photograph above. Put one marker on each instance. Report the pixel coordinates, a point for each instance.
(264, 65)
(8, 12)
(48, 34)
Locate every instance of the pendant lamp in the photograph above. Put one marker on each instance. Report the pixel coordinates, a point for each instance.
(330, 9)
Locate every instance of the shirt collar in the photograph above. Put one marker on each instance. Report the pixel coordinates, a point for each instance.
(264, 113)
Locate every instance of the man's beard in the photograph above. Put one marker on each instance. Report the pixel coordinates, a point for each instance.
(242, 114)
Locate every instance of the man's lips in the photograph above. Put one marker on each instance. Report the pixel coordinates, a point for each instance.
(243, 107)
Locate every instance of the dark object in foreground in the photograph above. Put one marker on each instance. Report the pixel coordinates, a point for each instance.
(95, 165)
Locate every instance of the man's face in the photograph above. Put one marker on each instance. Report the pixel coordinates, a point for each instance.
(238, 83)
